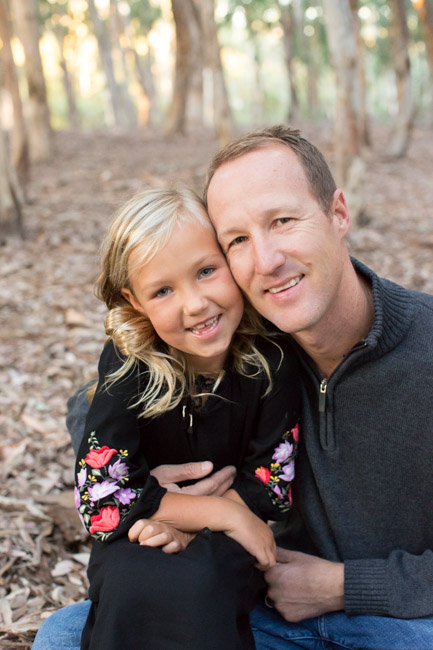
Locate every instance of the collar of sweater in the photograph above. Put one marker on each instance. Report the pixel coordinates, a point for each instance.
(394, 308)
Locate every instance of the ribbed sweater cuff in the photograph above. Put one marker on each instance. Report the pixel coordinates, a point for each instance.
(365, 589)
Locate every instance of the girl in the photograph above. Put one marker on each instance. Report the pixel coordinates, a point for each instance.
(184, 376)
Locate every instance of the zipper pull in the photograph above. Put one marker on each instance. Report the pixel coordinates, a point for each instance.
(190, 419)
(322, 395)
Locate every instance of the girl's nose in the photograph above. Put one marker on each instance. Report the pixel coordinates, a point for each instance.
(194, 303)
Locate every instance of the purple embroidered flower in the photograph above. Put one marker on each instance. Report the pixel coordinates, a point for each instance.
(77, 498)
(283, 451)
(125, 495)
(82, 476)
(277, 491)
(101, 490)
(118, 470)
(288, 473)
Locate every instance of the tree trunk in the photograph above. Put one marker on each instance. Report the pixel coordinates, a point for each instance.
(119, 101)
(143, 73)
(11, 199)
(361, 84)
(118, 30)
(400, 137)
(73, 116)
(425, 12)
(194, 106)
(145, 79)
(176, 116)
(312, 56)
(258, 100)
(288, 25)
(19, 139)
(40, 133)
(350, 168)
(222, 112)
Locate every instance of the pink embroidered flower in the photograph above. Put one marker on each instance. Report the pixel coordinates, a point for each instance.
(283, 451)
(118, 470)
(82, 477)
(277, 491)
(101, 490)
(295, 432)
(108, 519)
(97, 458)
(288, 473)
(125, 496)
(77, 498)
(288, 502)
(263, 474)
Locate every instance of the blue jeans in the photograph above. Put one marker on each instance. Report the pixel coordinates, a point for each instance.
(336, 631)
(62, 631)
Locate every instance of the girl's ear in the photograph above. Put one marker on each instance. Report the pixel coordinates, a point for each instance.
(129, 296)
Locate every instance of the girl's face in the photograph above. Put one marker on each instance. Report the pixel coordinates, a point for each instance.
(189, 295)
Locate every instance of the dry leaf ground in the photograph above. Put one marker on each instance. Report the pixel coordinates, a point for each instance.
(52, 328)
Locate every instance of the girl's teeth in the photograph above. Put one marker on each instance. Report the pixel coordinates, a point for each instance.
(208, 323)
(286, 286)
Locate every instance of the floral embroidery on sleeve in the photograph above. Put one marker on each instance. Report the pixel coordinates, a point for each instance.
(102, 495)
(278, 477)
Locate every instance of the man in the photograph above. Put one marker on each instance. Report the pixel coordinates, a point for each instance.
(359, 572)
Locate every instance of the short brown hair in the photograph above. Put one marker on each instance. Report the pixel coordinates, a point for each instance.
(319, 177)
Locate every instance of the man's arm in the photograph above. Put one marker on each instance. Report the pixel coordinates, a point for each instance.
(303, 586)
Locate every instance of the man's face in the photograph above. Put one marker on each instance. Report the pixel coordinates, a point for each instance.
(284, 252)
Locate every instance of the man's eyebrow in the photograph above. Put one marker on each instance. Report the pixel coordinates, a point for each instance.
(229, 231)
(266, 214)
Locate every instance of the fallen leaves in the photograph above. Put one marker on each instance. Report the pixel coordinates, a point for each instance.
(52, 331)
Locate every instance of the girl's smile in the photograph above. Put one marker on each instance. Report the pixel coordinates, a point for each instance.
(189, 295)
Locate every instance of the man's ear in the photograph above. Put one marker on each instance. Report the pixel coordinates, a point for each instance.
(129, 296)
(340, 212)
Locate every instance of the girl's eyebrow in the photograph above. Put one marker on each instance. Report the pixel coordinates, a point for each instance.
(205, 260)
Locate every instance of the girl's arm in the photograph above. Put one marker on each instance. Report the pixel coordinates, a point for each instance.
(192, 513)
(114, 487)
(264, 480)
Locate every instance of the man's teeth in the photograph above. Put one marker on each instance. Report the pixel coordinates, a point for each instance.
(209, 323)
(286, 286)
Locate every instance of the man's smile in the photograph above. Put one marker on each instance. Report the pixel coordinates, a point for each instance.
(287, 285)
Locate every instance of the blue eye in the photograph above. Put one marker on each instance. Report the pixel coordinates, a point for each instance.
(207, 271)
(161, 293)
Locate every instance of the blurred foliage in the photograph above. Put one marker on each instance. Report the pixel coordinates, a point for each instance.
(252, 40)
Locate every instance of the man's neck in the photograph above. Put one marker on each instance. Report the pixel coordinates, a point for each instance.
(350, 321)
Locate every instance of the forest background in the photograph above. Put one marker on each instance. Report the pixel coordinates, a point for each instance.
(102, 98)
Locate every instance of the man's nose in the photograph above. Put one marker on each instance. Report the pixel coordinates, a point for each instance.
(268, 257)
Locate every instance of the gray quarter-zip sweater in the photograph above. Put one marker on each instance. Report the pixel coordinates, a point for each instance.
(364, 493)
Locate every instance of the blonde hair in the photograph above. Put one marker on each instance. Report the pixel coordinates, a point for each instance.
(147, 220)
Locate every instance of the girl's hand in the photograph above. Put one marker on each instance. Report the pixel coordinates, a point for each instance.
(158, 534)
(255, 536)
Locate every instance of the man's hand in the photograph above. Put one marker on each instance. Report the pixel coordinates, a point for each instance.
(216, 485)
(158, 534)
(303, 586)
